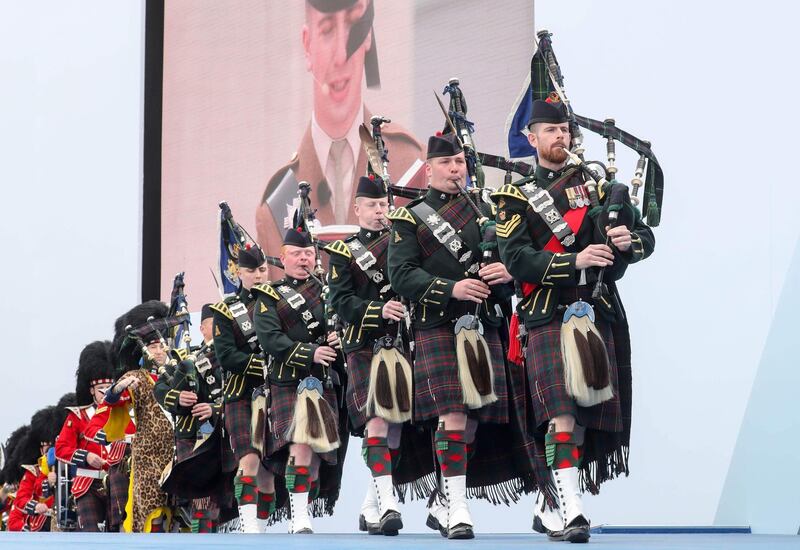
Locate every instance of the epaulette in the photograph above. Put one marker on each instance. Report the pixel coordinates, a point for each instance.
(402, 214)
(266, 289)
(222, 307)
(76, 410)
(31, 468)
(338, 247)
(508, 190)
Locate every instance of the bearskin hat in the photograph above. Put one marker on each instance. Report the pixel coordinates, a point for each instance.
(10, 472)
(46, 425)
(125, 351)
(94, 364)
(67, 400)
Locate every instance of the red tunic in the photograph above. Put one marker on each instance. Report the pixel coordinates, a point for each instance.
(31, 492)
(74, 444)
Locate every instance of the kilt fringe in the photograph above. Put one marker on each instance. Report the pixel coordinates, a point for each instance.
(318, 508)
(608, 467)
(418, 489)
(507, 492)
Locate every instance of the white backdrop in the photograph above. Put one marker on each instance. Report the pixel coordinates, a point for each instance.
(707, 83)
(71, 181)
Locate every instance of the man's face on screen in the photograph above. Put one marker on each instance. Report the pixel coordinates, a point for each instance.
(337, 79)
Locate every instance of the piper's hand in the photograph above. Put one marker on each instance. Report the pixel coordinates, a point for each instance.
(620, 237)
(325, 355)
(393, 310)
(594, 255)
(41, 508)
(187, 398)
(51, 478)
(471, 290)
(334, 341)
(202, 411)
(95, 461)
(495, 274)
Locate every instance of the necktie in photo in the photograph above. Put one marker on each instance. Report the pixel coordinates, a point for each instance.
(339, 168)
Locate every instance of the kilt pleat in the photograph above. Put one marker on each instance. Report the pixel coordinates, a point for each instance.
(437, 390)
(92, 508)
(358, 367)
(237, 424)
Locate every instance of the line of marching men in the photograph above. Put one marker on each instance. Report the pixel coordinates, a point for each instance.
(254, 424)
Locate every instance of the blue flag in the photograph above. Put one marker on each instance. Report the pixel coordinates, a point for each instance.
(228, 256)
(517, 124)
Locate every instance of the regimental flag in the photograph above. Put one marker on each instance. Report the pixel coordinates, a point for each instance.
(179, 308)
(230, 243)
(537, 85)
(516, 126)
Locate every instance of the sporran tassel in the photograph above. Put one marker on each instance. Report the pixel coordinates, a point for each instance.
(388, 395)
(474, 369)
(403, 388)
(313, 422)
(586, 365)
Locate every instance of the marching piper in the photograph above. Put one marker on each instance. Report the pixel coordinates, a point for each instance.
(303, 400)
(555, 245)
(460, 375)
(238, 352)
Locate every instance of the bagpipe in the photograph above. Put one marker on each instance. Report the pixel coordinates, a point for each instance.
(390, 380)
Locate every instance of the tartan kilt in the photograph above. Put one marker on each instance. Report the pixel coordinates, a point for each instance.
(437, 390)
(607, 425)
(358, 370)
(237, 423)
(545, 369)
(358, 367)
(117, 490)
(183, 447)
(281, 411)
(92, 508)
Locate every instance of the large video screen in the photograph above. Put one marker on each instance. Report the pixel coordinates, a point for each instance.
(258, 96)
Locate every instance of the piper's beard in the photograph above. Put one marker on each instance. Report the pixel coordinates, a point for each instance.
(555, 154)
